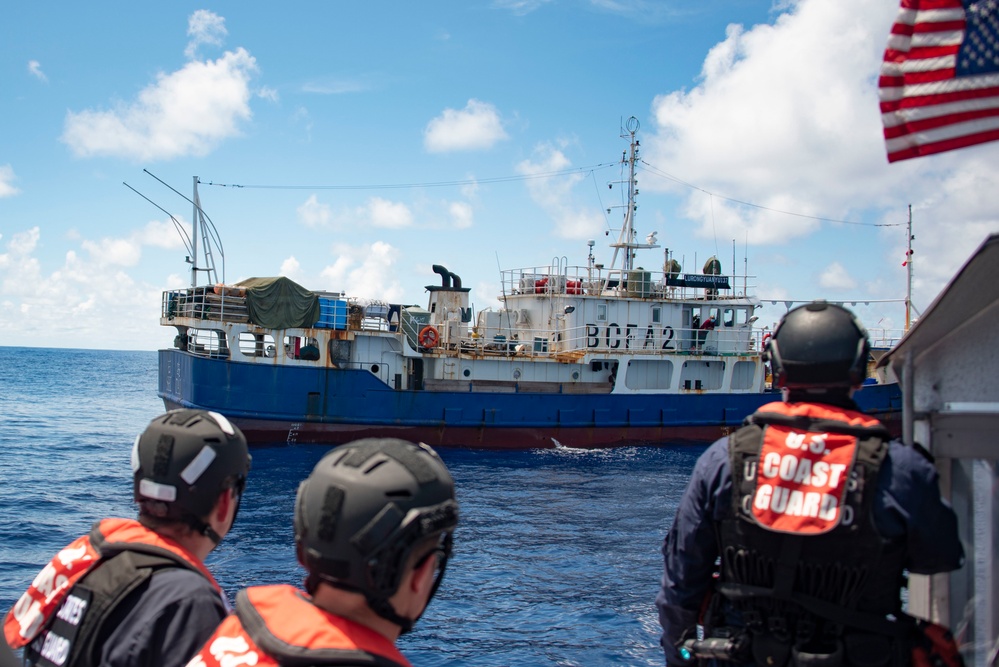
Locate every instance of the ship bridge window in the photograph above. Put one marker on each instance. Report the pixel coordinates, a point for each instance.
(705, 318)
(208, 343)
(734, 316)
(305, 348)
(256, 345)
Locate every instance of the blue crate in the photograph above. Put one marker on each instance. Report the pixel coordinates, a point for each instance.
(332, 313)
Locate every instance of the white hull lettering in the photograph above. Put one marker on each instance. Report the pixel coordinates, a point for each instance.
(611, 337)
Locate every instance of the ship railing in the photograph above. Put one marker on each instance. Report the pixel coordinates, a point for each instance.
(637, 283)
(223, 304)
(210, 343)
(884, 338)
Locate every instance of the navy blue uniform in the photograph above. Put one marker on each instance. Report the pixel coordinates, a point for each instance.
(165, 624)
(907, 508)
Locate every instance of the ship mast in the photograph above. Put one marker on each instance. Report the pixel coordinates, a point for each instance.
(908, 267)
(626, 239)
(194, 231)
(200, 221)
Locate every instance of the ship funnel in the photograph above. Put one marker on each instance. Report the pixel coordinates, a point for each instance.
(444, 274)
(457, 280)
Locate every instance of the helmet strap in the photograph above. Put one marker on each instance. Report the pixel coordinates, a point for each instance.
(380, 605)
(838, 396)
(203, 528)
(384, 608)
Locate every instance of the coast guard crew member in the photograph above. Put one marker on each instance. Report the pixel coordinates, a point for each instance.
(137, 592)
(813, 515)
(373, 529)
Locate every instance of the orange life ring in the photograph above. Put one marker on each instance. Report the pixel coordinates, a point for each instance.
(429, 337)
(766, 339)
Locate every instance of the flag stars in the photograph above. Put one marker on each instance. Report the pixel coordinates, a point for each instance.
(979, 53)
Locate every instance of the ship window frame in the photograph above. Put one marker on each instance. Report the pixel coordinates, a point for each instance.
(255, 345)
(601, 312)
(657, 315)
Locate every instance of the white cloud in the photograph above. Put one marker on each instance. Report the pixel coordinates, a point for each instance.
(387, 214)
(461, 214)
(797, 133)
(204, 27)
(87, 301)
(477, 126)
(554, 194)
(785, 116)
(376, 212)
(520, 7)
(836, 277)
(7, 179)
(486, 295)
(368, 270)
(291, 268)
(314, 214)
(162, 234)
(127, 251)
(187, 112)
(35, 69)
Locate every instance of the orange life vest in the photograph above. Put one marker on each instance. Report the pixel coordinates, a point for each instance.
(273, 624)
(805, 464)
(37, 607)
(800, 550)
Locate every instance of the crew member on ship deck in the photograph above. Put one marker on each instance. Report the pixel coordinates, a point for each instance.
(814, 516)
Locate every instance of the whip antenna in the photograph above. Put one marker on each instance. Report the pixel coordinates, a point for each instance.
(184, 236)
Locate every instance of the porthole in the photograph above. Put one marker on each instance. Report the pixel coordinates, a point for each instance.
(374, 368)
(466, 372)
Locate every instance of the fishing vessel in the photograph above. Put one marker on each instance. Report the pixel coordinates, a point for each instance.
(588, 355)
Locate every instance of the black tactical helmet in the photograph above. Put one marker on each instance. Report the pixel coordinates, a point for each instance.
(365, 508)
(819, 345)
(183, 460)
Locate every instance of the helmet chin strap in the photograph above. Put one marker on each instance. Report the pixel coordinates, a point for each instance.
(384, 608)
(203, 528)
(381, 606)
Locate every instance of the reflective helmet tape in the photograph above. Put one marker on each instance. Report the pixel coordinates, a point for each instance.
(135, 455)
(164, 492)
(199, 465)
(223, 423)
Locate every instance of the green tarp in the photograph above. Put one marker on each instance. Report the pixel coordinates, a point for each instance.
(280, 303)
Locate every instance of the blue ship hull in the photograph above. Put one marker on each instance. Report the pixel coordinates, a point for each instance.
(275, 404)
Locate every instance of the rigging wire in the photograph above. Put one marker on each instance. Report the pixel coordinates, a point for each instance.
(429, 184)
(603, 210)
(214, 232)
(548, 174)
(670, 177)
(184, 236)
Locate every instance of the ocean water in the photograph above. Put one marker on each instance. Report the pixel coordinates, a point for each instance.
(556, 557)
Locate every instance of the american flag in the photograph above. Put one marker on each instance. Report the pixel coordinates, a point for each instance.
(939, 83)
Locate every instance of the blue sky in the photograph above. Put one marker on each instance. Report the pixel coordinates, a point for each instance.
(515, 105)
